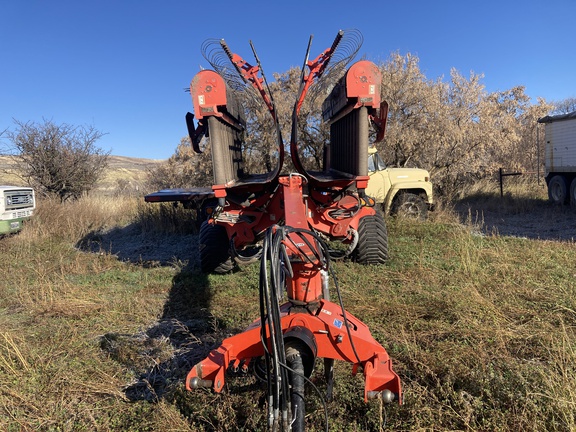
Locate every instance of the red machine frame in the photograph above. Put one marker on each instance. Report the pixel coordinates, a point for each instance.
(337, 335)
(333, 206)
(298, 205)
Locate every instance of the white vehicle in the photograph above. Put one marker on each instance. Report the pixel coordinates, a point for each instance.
(560, 131)
(16, 206)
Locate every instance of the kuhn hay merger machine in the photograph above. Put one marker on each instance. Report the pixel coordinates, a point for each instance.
(292, 216)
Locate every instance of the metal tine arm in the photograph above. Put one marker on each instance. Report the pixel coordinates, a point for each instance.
(249, 73)
(317, 67)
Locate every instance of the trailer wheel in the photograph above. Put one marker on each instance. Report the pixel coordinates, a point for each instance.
(573, 193)
(372, 245)
(214, 249)
(557, 190)
(410, 205)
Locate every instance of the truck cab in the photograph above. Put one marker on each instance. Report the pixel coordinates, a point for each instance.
(17, 204)
(399, 191)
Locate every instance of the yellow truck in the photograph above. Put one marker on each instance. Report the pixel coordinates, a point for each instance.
(399, 191)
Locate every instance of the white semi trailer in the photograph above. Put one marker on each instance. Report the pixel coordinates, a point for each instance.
(560, 157)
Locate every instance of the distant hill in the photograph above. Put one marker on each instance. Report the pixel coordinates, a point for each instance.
(123, 173)
(126, 174)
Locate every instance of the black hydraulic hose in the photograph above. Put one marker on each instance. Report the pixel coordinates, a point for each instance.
(274, 339)
(344, 317)
(294, 361)
(285, 374)
(275, 270)
(264, 320)
(271, 284)
(318, 392)
(324, 258)
(321, 253)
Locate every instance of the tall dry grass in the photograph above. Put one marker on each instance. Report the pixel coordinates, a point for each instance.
(55, 303)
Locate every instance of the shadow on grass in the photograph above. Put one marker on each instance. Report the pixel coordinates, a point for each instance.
(162, 355)
(530, 218)
(147, 248)
(184, 335)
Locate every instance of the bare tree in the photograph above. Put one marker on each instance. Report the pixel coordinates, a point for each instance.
(58, 160)
(564, 106)
(184, 168)
(452, 127)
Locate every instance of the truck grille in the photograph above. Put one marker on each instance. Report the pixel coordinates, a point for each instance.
(19, 199)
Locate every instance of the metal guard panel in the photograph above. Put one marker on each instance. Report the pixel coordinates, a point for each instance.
(208, 90)
(363, 82)
(211, 96)
(360, 86)
(181, 195)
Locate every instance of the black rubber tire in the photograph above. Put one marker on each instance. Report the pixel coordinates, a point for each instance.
(573, 193)
(557, 190)
(410, 205)
(372, 247)
(214, 249)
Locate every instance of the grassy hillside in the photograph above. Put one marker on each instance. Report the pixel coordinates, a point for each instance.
(481, 328)
(123, 175)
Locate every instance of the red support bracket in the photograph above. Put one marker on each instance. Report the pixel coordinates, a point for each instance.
(379, 120)
(328, 327)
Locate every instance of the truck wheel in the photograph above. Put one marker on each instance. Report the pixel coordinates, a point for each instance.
(573, 193)
(557, 190)
(214, 249)
(410, 205)
(372, 247)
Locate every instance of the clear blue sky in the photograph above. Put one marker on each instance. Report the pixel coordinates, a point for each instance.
(121, 66)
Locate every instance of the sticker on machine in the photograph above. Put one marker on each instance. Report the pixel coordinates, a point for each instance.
(338, 323)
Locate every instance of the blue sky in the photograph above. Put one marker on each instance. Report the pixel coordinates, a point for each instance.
(121, 66)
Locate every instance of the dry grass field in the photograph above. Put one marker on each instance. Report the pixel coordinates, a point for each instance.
(103, 310)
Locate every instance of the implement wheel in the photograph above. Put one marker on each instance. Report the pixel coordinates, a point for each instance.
(372, 247)
(214, 249)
